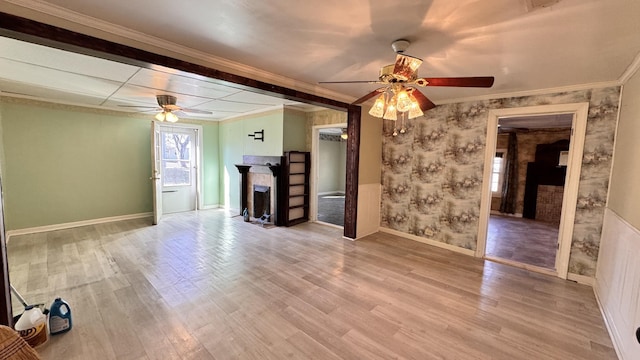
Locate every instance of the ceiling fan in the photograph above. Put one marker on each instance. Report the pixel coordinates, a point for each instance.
(399, 93)
(168, 107)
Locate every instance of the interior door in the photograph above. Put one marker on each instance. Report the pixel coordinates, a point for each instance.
(178, 166)
(155, 178)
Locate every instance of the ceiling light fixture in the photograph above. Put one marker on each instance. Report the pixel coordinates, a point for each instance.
(396, 102)
(344, 135)
(166, 115)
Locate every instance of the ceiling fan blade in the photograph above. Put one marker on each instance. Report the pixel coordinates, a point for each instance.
(351, 82)
(195, 111)
(406, 67)
(423, 101)
(140, 107)
(477, 81)
(369, 95)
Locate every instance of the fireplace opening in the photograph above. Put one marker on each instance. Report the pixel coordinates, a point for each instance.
(261, 200)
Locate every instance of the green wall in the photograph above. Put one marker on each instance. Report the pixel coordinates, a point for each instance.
(210, 164)
(65, 166)
(332, 156)
(235, 142)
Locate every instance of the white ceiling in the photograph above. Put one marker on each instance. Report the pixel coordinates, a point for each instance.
(571, 43)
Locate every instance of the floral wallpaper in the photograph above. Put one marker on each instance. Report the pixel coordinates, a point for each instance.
(322, 117)
(432, 174)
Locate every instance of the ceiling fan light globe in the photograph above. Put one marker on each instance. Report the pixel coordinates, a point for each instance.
(171, 117)
(403, 102)
(377, 109)
(391, 113)
(160, 116)
(414, 109)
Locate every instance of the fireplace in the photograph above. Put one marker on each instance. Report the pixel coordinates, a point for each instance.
(261, 200)
(259, 186)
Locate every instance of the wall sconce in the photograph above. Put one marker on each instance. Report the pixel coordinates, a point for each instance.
(258, 135)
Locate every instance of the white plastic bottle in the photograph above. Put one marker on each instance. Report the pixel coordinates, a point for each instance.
(32, 326)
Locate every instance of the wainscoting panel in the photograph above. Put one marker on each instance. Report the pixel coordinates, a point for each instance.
(618, 283)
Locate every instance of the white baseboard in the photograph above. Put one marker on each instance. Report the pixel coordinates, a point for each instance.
(331, 193)
(610, 324)
(496, 212)
(581, 279)
(209, 207)
(429, 241)
(74, 224)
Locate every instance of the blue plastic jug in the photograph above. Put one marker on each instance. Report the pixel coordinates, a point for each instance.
(59, 317)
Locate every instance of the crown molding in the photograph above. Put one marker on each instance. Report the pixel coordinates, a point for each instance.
(546, 91)
(631, 70)
(50, 10)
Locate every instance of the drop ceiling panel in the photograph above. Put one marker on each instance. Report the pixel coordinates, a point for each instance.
(230, 106)
(45, 77)
(139, 95)
(259, 99)
(48, 94)
(64, 61)
(179, 84)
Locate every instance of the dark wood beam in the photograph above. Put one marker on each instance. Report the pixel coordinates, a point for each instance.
(353, 164)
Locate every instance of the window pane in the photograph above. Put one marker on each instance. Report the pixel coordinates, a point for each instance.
(176, 172)
(176, 162)
(496, 172)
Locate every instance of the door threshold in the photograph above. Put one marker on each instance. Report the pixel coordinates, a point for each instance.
(329, 224)
(532, 268)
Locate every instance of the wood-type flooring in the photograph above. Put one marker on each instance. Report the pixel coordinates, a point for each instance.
(524, 241)
(206, 285)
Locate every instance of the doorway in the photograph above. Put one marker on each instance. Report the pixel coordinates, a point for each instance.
(176, 165)
(329, 152)
(527, 186)
(516, 238)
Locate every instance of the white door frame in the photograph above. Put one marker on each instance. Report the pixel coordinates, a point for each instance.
(156, 179)
(315, 156)
(574, 166)
(158, 127)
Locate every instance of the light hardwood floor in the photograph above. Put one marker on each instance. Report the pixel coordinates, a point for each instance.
(207, 285)
(522, 240)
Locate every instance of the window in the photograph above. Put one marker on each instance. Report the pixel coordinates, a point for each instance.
(176, 161)
(497, 172)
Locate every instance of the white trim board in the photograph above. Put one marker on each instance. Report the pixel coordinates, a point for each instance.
(314, 173)
(574, 166)
(210, 207)
(69, 225)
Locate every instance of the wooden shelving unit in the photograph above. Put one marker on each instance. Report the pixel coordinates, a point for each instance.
(294, 197)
